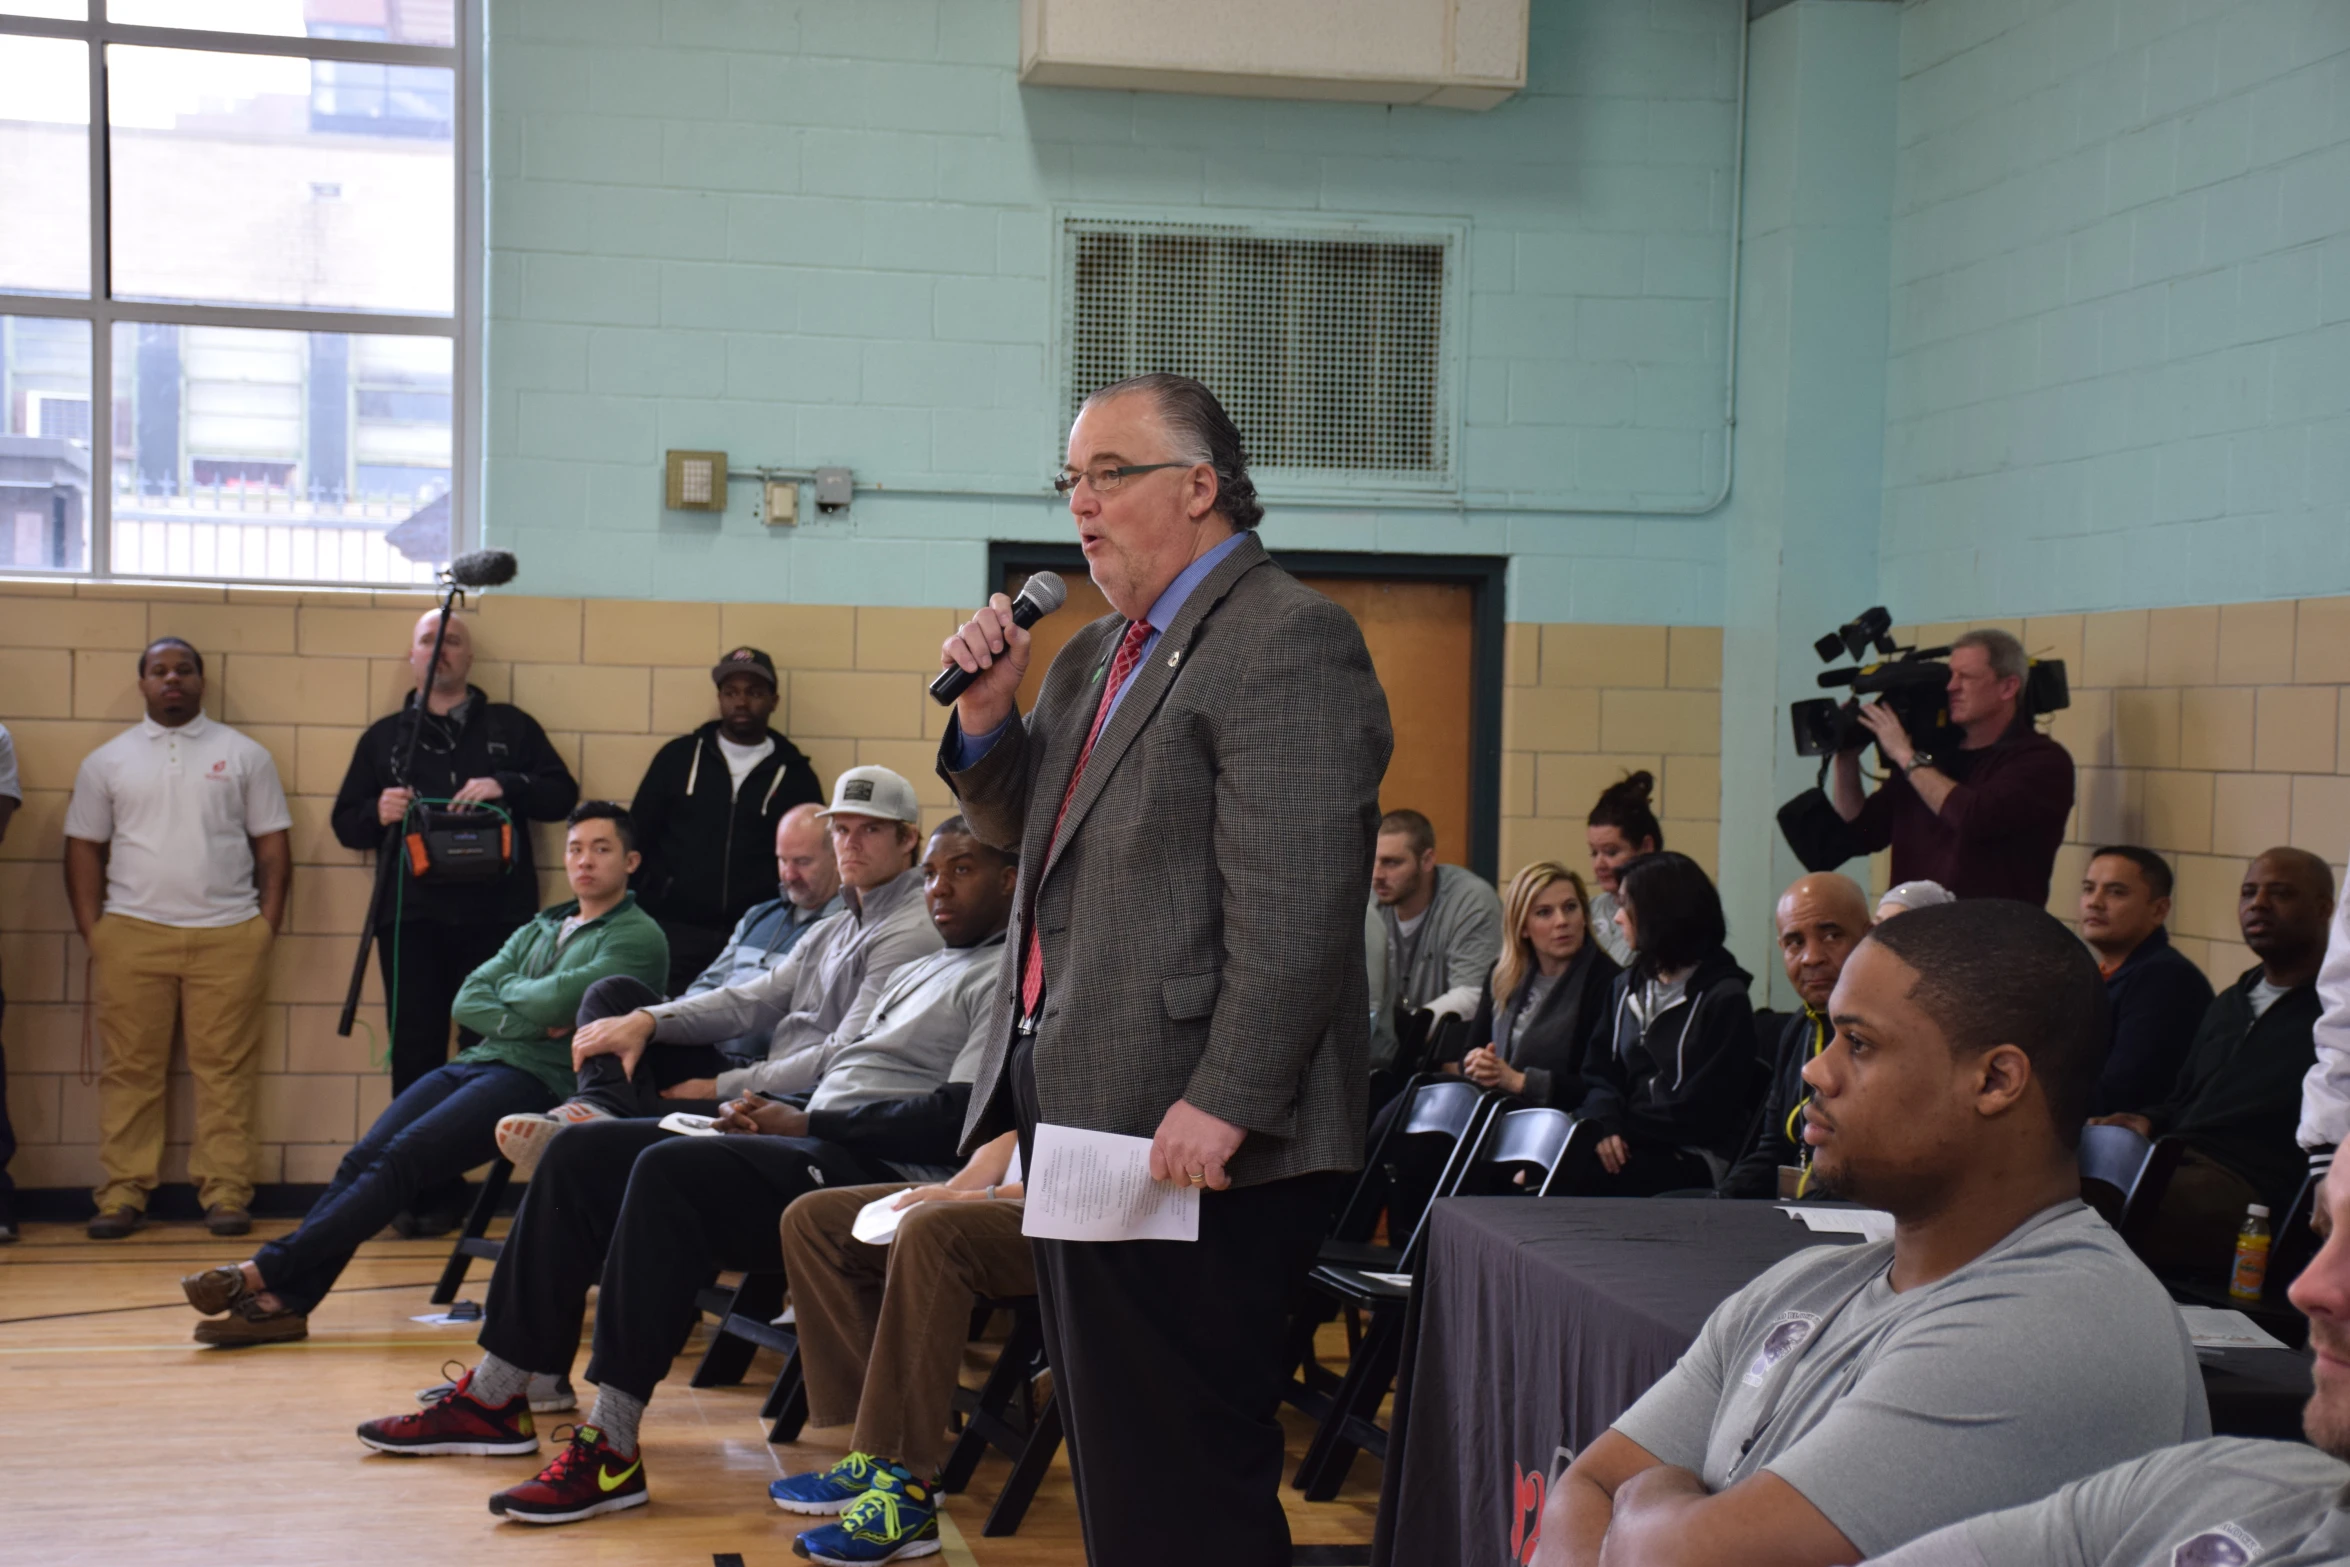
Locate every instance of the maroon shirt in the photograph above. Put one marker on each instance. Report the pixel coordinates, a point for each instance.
(1997, 834)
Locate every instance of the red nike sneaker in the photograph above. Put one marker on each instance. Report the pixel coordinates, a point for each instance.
(588, 1477)
(456, 1422)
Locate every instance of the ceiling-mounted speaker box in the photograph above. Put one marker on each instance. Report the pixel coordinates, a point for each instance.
(1452, 54)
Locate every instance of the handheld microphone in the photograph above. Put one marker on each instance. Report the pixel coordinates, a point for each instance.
(1039, 596)
(483, 569)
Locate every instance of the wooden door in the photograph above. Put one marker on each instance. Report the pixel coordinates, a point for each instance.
(1422, 638)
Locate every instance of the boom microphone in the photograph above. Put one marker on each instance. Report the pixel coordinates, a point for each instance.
(483, 569)
(1039, 596)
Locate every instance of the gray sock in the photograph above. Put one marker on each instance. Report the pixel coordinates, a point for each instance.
(497, 1383)
(616, 1414)
(546, 1385)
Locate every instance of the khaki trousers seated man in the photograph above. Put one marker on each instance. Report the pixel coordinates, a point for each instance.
(882, 1328)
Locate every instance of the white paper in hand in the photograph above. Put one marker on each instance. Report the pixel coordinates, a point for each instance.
(876, 1223)
(690, 1125)
(1097, 1186)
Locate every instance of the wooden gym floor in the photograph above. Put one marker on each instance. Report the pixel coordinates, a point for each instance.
(123, 1443)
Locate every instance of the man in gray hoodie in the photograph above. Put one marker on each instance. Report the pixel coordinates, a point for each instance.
(1431, 933)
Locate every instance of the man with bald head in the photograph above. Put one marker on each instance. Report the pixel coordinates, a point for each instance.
(1820, 919)
(473, 754)
(2238, 1097)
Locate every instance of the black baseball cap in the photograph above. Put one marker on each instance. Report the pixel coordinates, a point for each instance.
(746, 661)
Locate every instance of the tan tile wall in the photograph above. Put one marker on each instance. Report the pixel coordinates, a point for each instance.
(1587, 704)
(304, 673)
(2207, 734)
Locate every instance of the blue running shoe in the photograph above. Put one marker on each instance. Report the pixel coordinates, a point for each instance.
(828, 1491)
(895, 1521)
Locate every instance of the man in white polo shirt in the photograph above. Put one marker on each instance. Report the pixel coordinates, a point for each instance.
(177, 862)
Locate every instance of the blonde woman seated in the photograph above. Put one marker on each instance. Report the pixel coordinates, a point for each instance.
(1548, 995)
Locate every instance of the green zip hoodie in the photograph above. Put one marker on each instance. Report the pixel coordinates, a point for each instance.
(536, 981)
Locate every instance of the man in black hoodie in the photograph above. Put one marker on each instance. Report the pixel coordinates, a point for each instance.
(708, 809)
(2238, 1098)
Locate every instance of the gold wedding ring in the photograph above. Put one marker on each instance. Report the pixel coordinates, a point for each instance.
(1197, 1179)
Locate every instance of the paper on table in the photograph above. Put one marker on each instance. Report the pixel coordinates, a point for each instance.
(2216, 1327)
(877, 1222)
(1870, 1224)
(690, 1125)
(1097, 1186)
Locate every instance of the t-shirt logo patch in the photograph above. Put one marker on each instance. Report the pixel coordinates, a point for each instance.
(1785, 1337)
(2229, 1545)
(857, 789)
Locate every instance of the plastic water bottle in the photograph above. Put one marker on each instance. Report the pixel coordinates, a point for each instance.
(2251, 1273)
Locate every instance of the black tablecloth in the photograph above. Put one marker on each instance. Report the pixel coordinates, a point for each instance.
(1536, 1325)
(1538, 1322)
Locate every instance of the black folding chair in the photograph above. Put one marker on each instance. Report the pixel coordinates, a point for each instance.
(2112, 1159)
(470, 1243)
(1002, 1415)
(1440, 1113)
(1524, 1151)
(744, 1326)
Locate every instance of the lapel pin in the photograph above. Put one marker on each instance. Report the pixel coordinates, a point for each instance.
(1172, 657)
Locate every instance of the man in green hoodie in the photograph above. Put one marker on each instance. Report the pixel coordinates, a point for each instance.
(522, 1003)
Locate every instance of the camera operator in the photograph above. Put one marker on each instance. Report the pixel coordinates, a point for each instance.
(1983, 816)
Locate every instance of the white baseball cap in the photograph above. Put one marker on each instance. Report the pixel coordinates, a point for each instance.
(874, 791)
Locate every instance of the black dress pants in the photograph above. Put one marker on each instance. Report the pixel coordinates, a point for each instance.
(649, 1216)
(605, 1083)
(424, 962)
(1167, 1368)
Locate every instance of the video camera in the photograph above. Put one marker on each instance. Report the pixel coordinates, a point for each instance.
(1911, 681)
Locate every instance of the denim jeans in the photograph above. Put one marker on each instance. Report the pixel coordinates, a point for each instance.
(445, 1124)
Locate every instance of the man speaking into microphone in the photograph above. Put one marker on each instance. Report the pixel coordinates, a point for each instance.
(1194, 800)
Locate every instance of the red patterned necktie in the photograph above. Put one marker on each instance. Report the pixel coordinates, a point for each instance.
(1129, 655)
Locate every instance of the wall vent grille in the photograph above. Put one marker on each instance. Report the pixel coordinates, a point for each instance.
(1327, 346)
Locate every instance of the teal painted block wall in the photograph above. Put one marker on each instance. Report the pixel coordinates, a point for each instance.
(2120, 330)
(825, 233)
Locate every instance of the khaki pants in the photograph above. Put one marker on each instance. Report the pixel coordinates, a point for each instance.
(145, 977)
(882, 1328)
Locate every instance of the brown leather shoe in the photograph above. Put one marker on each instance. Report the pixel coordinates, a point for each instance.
(215, 1290)
(115, 1223)
(228, 1219)
(246, 1324)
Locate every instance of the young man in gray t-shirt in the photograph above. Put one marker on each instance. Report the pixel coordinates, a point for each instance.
(2223, 1503)
(2005, 1341)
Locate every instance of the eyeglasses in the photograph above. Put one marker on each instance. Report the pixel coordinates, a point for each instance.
(1107, 477)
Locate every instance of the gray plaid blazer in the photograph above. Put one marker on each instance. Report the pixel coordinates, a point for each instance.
(1201, 914)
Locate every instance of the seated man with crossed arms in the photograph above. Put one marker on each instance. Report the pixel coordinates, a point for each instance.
(2003, 1342)
(2222, 1503)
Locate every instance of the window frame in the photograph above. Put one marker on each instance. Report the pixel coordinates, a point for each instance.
(98, 306)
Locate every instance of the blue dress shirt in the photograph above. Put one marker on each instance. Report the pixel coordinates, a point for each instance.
(970, 748)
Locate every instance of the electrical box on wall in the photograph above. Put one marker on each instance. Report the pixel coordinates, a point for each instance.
(696, 481)
(782, 504)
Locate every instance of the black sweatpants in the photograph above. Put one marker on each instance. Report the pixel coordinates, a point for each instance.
(1167, 1367)
(1650, 1169)
(605, 1083)
(649, 1216)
